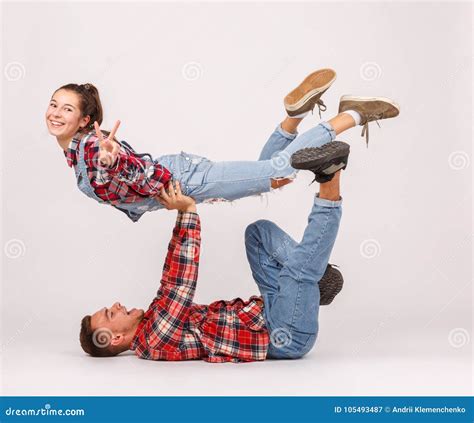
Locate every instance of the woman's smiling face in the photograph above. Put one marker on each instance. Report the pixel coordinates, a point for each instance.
(63, 115)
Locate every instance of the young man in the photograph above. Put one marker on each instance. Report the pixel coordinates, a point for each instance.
(293, 279)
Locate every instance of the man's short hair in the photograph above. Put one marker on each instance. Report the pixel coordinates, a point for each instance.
(96, 342)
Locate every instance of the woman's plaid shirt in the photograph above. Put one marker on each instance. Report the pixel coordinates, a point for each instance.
(129, 180)
(174, 328)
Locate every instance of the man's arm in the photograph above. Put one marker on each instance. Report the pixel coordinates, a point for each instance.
(180, 273)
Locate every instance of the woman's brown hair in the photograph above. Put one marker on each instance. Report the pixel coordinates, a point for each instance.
(89, 103)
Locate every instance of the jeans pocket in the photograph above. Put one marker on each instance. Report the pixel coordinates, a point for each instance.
(193, 178)
(184, 163)
(188, 162)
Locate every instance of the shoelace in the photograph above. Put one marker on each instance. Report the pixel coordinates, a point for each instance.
(365, 129)
(321, 106)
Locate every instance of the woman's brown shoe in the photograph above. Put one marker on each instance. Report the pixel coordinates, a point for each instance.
(369, 109)
(308, 94)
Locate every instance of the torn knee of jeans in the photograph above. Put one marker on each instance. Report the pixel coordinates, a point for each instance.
(216, 200)
(291, 176)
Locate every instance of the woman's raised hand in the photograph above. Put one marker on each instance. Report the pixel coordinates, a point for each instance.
(108, 148)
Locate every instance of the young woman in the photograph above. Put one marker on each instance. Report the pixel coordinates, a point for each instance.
(112, 172)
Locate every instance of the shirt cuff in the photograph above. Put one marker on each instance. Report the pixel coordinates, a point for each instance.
(117, 167)
(188, 220)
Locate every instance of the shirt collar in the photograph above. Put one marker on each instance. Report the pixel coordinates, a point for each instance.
(141, 326)
(72, 151)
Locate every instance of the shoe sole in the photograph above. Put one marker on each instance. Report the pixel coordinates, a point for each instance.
(369, 99)
(332, 285)
(331, 154)
(304, 91)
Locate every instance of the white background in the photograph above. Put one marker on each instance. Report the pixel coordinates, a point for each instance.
(402, 324)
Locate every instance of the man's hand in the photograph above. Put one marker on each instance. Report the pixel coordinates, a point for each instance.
(174, 199)
(108, 148)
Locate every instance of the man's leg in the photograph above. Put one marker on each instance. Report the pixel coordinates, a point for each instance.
(268, 248)
(292, 315)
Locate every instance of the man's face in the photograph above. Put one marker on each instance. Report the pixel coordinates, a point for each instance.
(117, 319)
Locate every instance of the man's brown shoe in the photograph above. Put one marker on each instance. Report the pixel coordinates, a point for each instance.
(308, 94)
(330, 285)
(370, 109)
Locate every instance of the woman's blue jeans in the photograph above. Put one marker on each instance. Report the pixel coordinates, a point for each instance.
(204, 180)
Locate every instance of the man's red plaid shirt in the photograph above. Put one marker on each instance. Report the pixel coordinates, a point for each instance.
(175, 328)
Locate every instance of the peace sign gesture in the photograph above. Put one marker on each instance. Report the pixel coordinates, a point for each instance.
(108, 148)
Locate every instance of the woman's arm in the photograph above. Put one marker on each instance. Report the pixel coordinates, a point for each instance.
(108, 148)
(111, 161)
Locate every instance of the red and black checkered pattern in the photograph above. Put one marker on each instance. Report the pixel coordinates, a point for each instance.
(175, 328)
(128, 181)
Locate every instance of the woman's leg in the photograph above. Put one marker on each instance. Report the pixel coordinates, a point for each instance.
(281, 137)
(233, 180)
(287, 131)
(321, 134)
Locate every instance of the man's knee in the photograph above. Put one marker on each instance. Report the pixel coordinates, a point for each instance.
(305, 349)
(254, 230)
(295, 346)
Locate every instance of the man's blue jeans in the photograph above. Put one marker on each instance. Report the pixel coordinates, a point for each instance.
(288, 275)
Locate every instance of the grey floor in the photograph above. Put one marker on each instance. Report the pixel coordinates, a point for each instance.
(378, 360)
